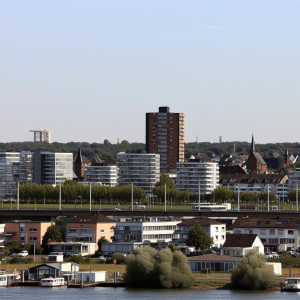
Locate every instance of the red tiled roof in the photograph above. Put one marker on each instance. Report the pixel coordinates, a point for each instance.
(254, 178)
(202, 222)
(90, 218)
(267, 223)
(240, 240)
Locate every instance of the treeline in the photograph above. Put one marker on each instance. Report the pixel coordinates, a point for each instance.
(71, 190)
(107, 151)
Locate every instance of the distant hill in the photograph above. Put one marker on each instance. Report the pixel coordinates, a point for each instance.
(107, 151)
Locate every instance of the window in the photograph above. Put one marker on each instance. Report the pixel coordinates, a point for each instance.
(101, 230)
(272, 231)
(73, 230)
(238, 231)
(268, 223)
(86, 230)
(290, 231)
(280, 231)
(263, 231)
(32, 229)
(33, 238)
(258, 223)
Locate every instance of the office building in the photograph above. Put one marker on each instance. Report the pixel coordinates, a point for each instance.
(101, 173)
(165, 136)
(52, 168)
(140, 169)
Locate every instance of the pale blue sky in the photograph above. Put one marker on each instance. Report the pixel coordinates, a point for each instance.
(90, 70)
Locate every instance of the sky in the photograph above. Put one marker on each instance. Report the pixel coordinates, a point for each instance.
(90, 70)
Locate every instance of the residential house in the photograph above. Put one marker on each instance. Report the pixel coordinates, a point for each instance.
(215, 229)
(277, 234)
(240, 244)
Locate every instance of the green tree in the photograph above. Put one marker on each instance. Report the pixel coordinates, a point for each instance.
(252, 273)
(13, 247)
(53, 234)
(165, 179)
(148, 268)
(100, 241)
(198, 238)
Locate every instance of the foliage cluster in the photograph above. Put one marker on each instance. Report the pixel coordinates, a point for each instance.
(149, 268)
(70, 190)
(53, 234)
(78, 259)
(198, 238)
(21, 260)
(252, 273)
(287, 261)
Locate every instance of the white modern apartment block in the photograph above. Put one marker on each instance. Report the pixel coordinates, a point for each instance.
(277, 234)
(14, 167)
(51, 167)
(107, 175)
(215, 229)
(190, 174)
(132, 235)
(140, 169)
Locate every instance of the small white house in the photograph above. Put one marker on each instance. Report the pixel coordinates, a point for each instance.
(94, 276)
(277, 269)
(240, 244)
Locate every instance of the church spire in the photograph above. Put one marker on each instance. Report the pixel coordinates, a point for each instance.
(79, 157)
(252, 150)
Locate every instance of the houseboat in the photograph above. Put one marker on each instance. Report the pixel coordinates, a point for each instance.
(52, 282)
(8, 277)
(292, 285)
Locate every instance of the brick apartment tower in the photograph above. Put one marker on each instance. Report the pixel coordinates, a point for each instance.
(79, 165)
(165, 136)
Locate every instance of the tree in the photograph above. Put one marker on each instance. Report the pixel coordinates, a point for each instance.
(53, 234)
(198, 238)
(165, 179)
(252, 273)
(100, 241)
(148, 268)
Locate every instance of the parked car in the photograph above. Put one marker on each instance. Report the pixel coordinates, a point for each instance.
(23, 253)
(43, 258)
(296, 254)
(116, 208)
(13, 255)
(280, 253)
(75, 254)
(274, 254)
(269, 255)
(101, 258)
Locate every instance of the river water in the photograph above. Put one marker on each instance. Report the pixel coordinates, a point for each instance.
(63, 293)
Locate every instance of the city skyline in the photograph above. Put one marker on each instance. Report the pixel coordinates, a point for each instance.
(90, 71)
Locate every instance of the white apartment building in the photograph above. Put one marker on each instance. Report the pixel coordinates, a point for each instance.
(277, 234)
(107, 175)
(191, 174)
(14, 167)
(215, 229)
(140, 169)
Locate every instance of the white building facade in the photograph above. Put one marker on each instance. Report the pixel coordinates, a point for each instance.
(14, 167)
(190, 174)
(140, 169)
(107, 175)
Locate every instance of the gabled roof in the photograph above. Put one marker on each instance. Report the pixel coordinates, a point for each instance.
(286, 223)
(91, 219)
(239, 240)
(202, 222)
(254, 178)
(259, 158)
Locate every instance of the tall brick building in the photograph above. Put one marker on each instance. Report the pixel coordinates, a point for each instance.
(165, 136)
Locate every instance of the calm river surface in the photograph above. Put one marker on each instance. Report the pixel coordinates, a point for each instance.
(34, 293)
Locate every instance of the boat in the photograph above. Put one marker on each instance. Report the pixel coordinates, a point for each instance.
(52, 282)
(11, 277)
(291, 285)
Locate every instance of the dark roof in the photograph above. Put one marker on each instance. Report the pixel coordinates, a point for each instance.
(202, 222)
(91, 219)
(214, 257)
(287, 223)
(240, 240)
(232, 170)
(259, 158)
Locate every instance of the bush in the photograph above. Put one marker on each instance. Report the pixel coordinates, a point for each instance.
(78, 259)
(252, 273)
(121, 260)
(148, 268)
(21, 260)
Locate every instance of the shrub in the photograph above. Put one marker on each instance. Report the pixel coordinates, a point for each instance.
(121, 260)
(21, 260)
(252, 273)
(78, 259)
(148, 268)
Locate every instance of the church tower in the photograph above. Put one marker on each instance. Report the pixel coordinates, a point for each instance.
(79, 165)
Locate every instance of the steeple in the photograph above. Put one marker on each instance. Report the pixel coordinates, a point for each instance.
(79, 157)
(252, 149)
